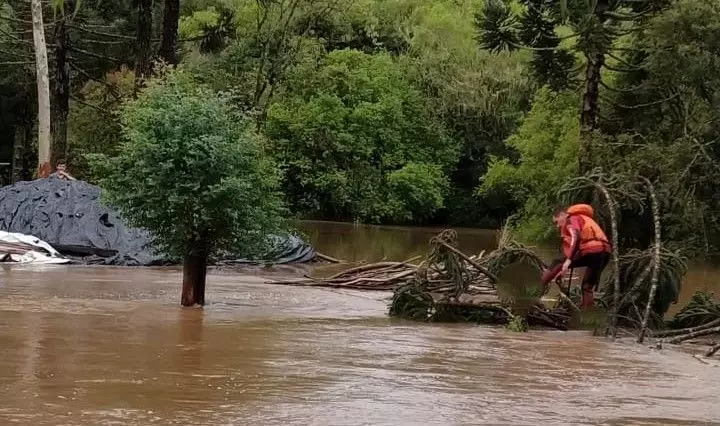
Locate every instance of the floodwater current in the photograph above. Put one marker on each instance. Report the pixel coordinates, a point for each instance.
(110, 346)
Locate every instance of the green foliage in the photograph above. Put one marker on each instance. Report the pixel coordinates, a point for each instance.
(94, 121)
(701, 309)
(190, 171)
(481, 97)
(664, 120)
(416, 192)
(195, 25)
(348, 123)
(394, 110)
(534, 27)
(547, 143)
(635, 278)
(517, 324)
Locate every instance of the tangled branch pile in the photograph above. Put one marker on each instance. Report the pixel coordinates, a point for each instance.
(388, 276)
(418, 300)
(449, 285)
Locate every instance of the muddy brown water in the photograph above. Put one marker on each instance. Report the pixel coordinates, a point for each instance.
(109, 346)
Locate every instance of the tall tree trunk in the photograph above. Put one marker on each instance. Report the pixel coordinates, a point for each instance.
(143, 41)
(194, 276)
(168, 46)
(43, 86)
(589, 113)
(61, 88)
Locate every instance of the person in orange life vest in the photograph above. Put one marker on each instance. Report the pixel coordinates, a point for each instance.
(584, 244)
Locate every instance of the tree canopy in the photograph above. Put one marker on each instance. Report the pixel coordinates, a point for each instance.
(419, 112)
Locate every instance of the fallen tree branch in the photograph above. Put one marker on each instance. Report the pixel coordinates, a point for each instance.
(713, 350)
(480, 268)
(568, 301)
(695, 334)
(670, 333)
(369, 267)
(327, 258)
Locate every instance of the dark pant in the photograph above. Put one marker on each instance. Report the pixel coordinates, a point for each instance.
(594, 264)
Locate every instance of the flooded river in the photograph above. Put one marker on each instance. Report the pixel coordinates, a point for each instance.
(109, 346)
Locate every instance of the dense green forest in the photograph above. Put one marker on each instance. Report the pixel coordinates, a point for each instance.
(460, 112)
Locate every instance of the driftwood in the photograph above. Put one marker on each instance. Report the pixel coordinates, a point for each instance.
(699, 333)
(480, 268)
(327, 258)
(567, 300)
(713, 350)
(683, 331)
(388, 276)
(446, 285)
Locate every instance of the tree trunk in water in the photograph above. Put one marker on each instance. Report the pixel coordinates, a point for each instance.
(168, 46)
(61, 88)
(194, 276)
(43, 86)
(143, 39)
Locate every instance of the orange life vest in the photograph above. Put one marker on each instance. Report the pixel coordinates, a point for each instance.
(592, 237)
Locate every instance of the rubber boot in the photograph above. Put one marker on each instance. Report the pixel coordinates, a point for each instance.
(588, 298)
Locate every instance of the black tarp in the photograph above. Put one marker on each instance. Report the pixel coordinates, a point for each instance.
(70, 217)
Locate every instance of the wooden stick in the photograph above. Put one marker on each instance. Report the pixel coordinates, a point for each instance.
(327, 258)
(695, 334)
(712, 350)
(567, 299)
(482, 269)
(670, 333)
(363, 268)
(365, 274)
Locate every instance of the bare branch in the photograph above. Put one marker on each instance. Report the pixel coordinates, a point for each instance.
(624, 62)
(87, 75)
(645, 105)
(96, 55)
(17, 63)
(630, 90)
(84, 29)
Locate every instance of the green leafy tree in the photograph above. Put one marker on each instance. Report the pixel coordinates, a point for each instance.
(417, 192)
(593, 26)
(347, 123)
(192, 173)
(547, 143)
(672, 136)
(479, 96)
(94, 120)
